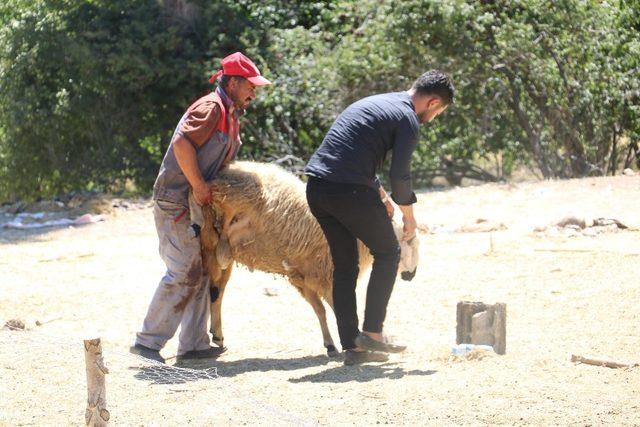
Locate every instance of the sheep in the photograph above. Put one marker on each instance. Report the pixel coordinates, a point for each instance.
(259, 217)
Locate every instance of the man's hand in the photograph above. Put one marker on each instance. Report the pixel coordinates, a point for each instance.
(202, 194)
(409, 226)
(409, 222)
(387, 201)
(389, 206)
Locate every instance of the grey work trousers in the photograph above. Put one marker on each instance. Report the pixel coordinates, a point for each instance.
(182, 297)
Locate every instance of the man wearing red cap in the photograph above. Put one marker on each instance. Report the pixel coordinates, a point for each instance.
(205, 140)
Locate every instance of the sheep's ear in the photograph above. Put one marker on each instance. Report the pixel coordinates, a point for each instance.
(240, 232)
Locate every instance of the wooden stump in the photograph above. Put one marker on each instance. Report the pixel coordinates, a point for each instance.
(481, 331)
(482, 324)
(96, 413)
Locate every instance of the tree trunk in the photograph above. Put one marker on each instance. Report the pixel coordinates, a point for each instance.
(533, 134)
(614, 152)
(633, 151)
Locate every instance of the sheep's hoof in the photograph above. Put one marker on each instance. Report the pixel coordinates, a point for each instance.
(332, 351)
(218, 341)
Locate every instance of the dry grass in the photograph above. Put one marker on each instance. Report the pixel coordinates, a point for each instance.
(564, 295)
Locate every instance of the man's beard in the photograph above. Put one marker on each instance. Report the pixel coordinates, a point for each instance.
(243, 104)
(423, 117)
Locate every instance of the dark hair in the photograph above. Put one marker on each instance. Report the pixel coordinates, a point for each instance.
(437, 83)
(225, 79)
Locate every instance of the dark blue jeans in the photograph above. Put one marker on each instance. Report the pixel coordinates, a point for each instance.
(347, 212)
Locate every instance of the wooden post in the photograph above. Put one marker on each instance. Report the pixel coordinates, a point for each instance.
(465, 312)
(481, 328)
(96, 413)
(500, 328)
(482, 324)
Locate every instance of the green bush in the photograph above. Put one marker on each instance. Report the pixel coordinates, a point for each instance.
(545, 80)
(90, 90)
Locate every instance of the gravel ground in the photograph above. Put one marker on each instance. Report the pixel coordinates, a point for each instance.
(566, 293)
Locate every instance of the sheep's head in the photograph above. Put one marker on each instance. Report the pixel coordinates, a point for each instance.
(408, 254)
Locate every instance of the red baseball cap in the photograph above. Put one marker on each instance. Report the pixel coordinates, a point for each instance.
(237, 64)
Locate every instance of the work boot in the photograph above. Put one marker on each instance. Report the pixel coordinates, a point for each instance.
(146, 352)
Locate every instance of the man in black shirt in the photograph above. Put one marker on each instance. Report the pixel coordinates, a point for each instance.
(349, 203)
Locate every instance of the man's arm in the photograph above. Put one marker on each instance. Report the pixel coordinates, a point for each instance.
(400, 176)
(186, 156)
(409, 224)
(405, 142)
(197, 128)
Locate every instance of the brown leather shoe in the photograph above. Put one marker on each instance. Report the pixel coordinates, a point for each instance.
(364, 341)
(352, 357)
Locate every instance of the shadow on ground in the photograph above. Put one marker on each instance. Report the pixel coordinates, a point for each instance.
(211, 369)
(188, 371)
(360, 373)
(237, 367)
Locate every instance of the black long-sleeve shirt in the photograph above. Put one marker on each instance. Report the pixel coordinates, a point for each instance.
(358, 141)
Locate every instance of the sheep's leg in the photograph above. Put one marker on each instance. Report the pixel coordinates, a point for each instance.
(329, 299)
(315, 301)
(219, 276)
(209, 236)
(223, 254)
(225, 217)
(217, 292)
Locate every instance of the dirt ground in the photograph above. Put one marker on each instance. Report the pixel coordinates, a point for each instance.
(566, 293)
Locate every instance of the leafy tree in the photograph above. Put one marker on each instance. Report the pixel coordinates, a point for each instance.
(537, 78)
(91, 90)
